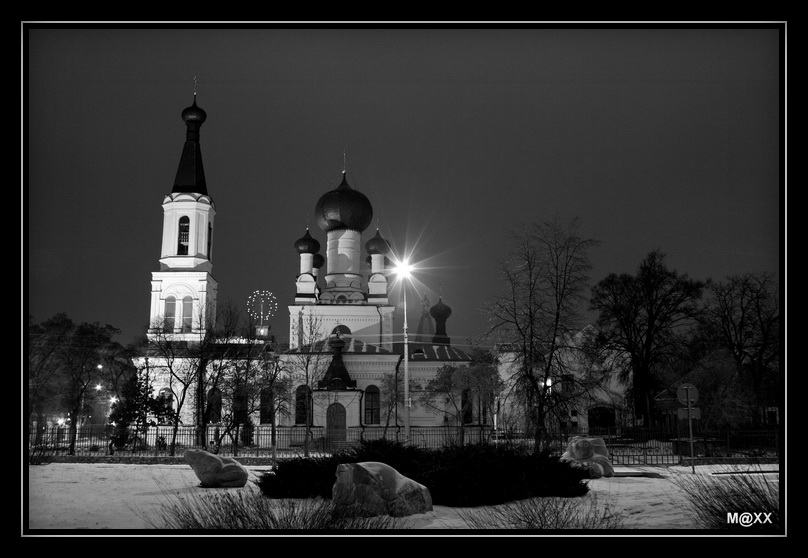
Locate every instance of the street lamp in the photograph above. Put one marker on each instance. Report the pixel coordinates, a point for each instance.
(403, 270)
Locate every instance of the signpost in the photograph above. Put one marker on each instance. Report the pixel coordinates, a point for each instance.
(688, 395)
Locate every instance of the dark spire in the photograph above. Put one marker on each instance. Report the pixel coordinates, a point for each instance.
(441, 313)
(190, 174)
(337, 377)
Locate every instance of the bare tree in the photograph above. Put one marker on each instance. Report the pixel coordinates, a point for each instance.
(647, 317)
(544, 279)
(392, 395)
(180, 360)
(305, 365)
(743, 317)
(466, 393)
(82, 355)
(44, 377)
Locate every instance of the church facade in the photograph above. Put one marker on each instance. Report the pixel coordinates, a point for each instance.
(345, 369)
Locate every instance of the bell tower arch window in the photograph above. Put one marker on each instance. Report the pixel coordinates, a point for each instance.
(183, 236)
(170, 314)
(187, 314)
(210, 238)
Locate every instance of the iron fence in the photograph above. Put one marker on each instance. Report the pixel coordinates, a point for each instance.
(626, 445)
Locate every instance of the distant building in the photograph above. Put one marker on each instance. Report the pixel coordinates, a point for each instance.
(584, 395)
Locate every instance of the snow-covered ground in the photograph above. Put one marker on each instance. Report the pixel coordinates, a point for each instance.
(99, 498)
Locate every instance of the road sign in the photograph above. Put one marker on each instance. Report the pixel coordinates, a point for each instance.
(695, 413)
(685, 392)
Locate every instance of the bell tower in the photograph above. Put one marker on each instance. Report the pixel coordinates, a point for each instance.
(183, 293)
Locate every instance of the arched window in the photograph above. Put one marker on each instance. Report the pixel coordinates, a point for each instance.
(467, 407)
(372, 405)
(267, 405)
(240, 411)
(166, 400)
(187, 314)
(184, 235)
(343, 330)
(170, 314)
(303, 411)
(210, 238)
(214, 410)
(601, 418)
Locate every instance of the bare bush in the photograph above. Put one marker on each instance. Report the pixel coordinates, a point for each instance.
(249, 510)
(714, 498)
(546, 513)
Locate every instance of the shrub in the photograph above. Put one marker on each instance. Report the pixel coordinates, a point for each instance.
(467, 475)
(301, 477)
(407, 460)
(485, 474)
(712, 497)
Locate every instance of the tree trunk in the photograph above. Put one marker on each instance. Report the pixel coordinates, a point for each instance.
(72, 433)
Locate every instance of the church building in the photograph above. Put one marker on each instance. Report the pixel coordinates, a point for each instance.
(345, 364)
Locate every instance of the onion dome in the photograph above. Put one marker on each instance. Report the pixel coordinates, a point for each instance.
(377, 245)
(307, 244)
(441, 313)
(343, 208)
(336, 343)
(194, 114)
(318, 261)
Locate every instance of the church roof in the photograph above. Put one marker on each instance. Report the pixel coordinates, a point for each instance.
(419, 351)
(432, 352)
(352, 346)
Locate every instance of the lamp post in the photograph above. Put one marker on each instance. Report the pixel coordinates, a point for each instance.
(403, 270)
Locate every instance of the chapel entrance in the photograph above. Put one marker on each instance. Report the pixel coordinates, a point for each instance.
(335, 426)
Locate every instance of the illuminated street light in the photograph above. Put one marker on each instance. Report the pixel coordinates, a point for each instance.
(403, 270)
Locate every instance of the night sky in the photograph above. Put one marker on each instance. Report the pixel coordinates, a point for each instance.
(653, 137)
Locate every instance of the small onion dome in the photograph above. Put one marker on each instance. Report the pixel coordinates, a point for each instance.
(377, 245)
(336, 343)
(318, 261)
(194, 114)
(343, 208)
(307, 244)
(440, 311)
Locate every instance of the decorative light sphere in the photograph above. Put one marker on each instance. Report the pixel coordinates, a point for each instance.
(262, 305)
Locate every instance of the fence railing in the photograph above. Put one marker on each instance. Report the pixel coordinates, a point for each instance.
(626, 445)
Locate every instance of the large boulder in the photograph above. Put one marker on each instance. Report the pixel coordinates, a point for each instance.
(374, 488)
(215, 471)
(591, 454)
